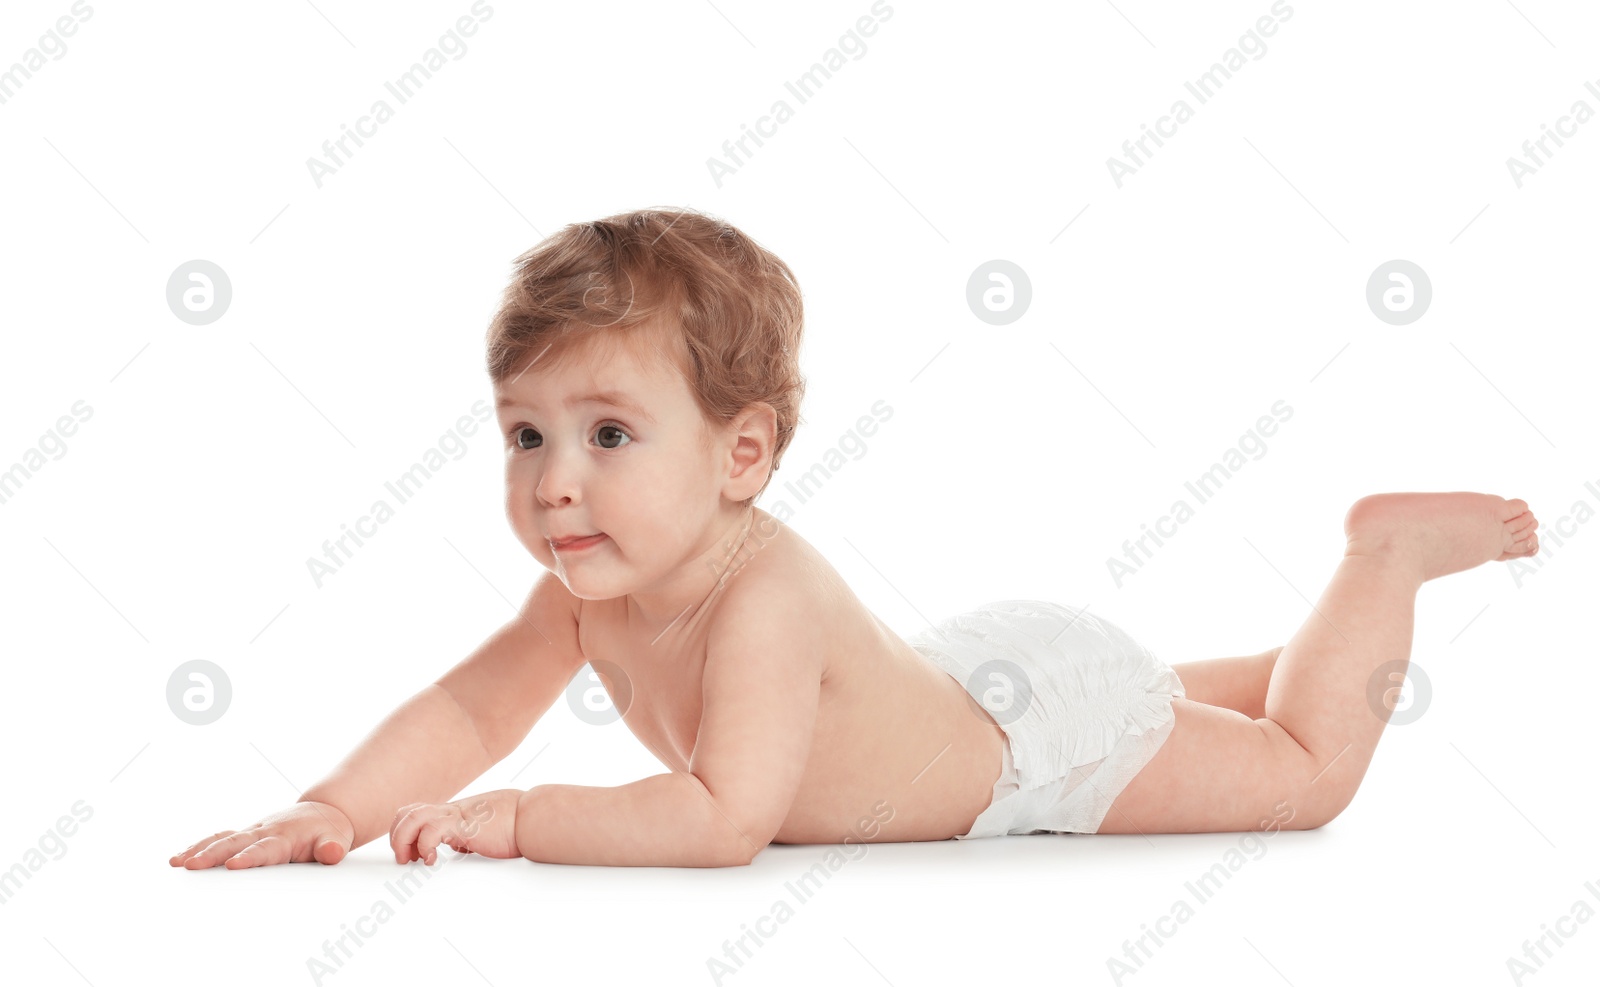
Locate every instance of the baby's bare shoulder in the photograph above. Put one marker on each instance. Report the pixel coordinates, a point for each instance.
(782, 582)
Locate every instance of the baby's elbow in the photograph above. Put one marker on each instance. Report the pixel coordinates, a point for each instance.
(740, 852)
(740, 832)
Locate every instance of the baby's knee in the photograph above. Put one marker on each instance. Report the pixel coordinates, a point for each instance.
(1316, 788)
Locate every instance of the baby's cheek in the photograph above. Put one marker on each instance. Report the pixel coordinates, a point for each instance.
(519, 510)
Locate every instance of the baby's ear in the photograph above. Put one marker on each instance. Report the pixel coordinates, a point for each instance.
(755, 433)
(760, 416)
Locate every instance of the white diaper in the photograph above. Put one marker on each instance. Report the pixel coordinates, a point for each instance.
(1083, 706)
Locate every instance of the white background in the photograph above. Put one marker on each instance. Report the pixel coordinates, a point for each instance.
(1227, 274)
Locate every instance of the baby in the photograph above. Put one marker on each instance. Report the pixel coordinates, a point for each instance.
(646, 372)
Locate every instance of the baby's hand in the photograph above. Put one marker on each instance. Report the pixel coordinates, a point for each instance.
(483, 824)
(302, 833)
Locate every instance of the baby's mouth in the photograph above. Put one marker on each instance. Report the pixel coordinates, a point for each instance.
(577, 543)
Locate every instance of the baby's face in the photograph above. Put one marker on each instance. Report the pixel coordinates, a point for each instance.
(581, 461)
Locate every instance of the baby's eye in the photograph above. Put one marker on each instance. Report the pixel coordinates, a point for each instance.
(603, 429)
(527, 438)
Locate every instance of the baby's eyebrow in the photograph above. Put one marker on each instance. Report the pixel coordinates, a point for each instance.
(615, 399)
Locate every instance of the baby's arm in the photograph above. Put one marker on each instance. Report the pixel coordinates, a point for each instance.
(760, 688)
(427, 749)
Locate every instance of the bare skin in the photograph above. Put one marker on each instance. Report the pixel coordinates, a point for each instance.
(702, 618)
(783, 709)
(1297, 751)
(890, 725)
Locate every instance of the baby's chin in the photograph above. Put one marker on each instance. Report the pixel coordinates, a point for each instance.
(589, 578)
(589, 589)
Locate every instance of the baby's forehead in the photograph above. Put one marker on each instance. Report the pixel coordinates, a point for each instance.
(630, 362)
(656, 398)
(574, 380)
(626, 369)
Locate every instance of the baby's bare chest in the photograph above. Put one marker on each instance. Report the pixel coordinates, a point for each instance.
(654, 687)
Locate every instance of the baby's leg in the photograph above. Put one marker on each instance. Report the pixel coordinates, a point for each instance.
(1232, 683)
(1221, 770)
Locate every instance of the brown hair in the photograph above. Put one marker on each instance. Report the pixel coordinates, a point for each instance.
(728, 309)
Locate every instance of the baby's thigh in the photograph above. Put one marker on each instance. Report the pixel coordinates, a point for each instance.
(1218, 771)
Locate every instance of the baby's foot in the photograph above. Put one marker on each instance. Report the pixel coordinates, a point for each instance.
(1441, 533)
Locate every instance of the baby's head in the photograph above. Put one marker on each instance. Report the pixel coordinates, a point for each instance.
(692, 332)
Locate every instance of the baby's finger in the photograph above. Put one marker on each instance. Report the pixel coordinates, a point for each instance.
(219, 851)
(328, 848)
(403, 834)
(263, 852)
(197, 846)
(428, 839)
